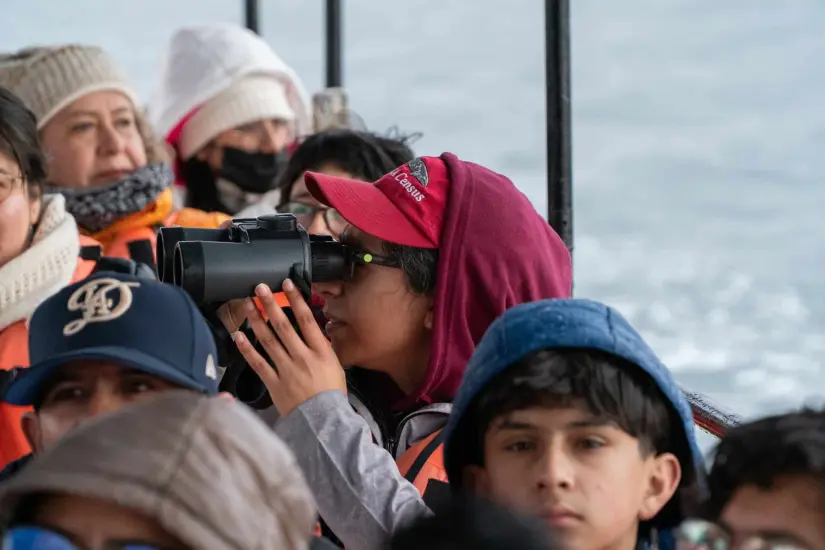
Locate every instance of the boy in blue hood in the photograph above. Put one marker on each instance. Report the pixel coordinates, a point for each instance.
(565, 413)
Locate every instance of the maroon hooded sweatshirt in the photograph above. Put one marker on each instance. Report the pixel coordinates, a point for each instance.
(495, 252)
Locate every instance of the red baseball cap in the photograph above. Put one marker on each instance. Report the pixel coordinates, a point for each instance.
(404, 207)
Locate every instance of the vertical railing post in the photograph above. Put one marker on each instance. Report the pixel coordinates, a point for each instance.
(251, 16)
(335, 77)
(559, 128)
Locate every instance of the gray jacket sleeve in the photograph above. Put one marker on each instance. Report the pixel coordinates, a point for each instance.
(360, 492)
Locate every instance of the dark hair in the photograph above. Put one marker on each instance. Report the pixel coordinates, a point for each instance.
(364, 155)
(607, 386)
(420, 265)
(760, 452)
(473, 524)
(18, 140)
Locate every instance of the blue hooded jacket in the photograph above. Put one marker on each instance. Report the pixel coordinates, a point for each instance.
(573, 323)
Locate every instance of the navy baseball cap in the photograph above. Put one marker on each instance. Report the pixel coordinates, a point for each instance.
(139, 323)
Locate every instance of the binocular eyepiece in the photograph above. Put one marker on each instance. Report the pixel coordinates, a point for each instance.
(218, 265)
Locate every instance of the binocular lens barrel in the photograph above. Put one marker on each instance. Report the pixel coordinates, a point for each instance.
(213, 272)
(168, 239)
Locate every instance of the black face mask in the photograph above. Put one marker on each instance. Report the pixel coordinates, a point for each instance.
(252, 172)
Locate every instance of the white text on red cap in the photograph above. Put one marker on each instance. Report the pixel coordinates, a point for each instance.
(403, 178)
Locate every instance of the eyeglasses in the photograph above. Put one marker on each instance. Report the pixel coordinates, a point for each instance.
(356, 256)
(7, 183)
(40, 538)
(359, 257)
(698, 534)
(306, 215)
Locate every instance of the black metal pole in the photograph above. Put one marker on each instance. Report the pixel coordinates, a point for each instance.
(251, 16)
(333, 34)
(559, 141)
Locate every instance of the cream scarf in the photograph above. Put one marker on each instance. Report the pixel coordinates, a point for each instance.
(42, 269)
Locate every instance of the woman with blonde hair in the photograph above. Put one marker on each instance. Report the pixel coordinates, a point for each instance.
(101, 155)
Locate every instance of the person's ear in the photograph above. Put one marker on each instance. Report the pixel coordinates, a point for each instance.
(34, 210)
(203, 154)
(476, 480)
(212, 155)
(30, 424)
(664, 475)
(35, 203)
(429, 318)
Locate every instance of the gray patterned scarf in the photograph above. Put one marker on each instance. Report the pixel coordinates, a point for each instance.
(97, 208)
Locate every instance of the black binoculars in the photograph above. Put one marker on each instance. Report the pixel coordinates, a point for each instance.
(218, 265)
(215, 266)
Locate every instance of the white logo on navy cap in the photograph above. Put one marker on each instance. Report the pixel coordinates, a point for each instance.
(211, 370)
(99, 301)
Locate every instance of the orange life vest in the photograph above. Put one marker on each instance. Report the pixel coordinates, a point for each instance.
(422, 464)
(142, 225)
(14, 352)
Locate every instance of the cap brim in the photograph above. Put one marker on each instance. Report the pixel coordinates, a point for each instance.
(28, 386)
(364, 206)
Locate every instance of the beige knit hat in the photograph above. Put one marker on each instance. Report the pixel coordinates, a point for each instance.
(206, 469)
(253, 97)
(49, 78)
